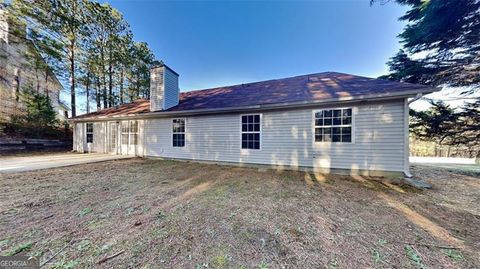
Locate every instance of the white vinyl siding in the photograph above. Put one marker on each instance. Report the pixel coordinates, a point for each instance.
(141, 134)
(164, 92)
(287, 139)
(378, 135)
(171, 94)
(78, 136)
(80, 139)
(156, 88)
(99, 134)
(100, 138)
(378, 139)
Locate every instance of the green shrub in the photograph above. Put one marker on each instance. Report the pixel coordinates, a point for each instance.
(38, 120)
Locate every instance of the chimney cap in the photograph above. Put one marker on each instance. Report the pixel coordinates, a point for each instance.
(162, 64)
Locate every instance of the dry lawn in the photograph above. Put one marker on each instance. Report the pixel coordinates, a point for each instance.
(167, 214)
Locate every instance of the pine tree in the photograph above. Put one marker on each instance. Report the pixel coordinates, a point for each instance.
(89, 44)
(443, 36)
(446, 126)
(57, 29)
(441, 47)
(39, 119)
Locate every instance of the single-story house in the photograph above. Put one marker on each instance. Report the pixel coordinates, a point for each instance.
(326, 121)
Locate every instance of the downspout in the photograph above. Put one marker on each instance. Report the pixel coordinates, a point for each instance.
(105, 144)
(406, 127)
(143, 140)
(74, 137)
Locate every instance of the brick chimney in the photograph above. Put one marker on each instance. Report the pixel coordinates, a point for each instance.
(164, 92)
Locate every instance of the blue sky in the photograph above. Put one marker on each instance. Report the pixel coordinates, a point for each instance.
(223, 43)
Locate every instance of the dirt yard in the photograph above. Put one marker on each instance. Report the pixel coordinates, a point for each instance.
(163, 214)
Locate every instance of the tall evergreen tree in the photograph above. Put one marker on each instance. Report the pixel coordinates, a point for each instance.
(441, 44)
(58, 29)
(447, 126)
(441, 47)
(90, 45)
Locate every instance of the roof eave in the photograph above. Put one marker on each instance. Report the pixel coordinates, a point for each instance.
(342, 100)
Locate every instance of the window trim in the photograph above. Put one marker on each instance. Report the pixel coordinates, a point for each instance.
(331, 142)
(260, 132)
(184, 133)
(87, 132)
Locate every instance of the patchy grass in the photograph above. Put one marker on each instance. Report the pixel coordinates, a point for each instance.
(414, 257)
(167, 214)
(377, 256)
(20, 249)
(453, 254)
(85, 211)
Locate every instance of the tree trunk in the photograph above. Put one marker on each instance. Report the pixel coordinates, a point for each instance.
(87, 89)
(138, 87)
(121, 86)
(46, 82)
(104, 80)
(72, 80)
(38, 81)
(97, 95)
(17, 86)
(110, 79)
(104, 96)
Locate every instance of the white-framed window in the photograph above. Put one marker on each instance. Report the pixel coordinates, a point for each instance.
(333, 125)
(124, 136)
(178, 132)
(133, 132)
(89, 132)
(251, 131)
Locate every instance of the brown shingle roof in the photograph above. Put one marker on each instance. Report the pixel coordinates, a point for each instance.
(306, 88)
(136, 107)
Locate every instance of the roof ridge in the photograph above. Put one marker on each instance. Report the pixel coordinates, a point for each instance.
(261, 81)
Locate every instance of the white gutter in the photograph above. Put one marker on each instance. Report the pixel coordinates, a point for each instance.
(418, 96)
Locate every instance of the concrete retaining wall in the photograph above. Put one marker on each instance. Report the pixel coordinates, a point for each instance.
(9, 144)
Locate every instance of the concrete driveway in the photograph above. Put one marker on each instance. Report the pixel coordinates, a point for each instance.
(466, 165)
(20, 164)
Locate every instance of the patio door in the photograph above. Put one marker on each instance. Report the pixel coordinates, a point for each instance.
(129, 137)
(132, 137)
(113, 137)
(124, 138)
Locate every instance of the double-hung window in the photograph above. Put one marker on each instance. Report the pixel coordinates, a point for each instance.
(89, 132)
(178, 132)
(333, 125)
(251, 130)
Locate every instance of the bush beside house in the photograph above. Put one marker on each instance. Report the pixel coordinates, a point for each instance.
(38, 121)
